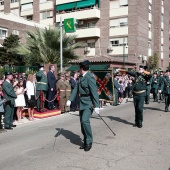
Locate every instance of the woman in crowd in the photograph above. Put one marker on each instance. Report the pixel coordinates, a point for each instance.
(121, 91)
(20, 100)
(30, 85)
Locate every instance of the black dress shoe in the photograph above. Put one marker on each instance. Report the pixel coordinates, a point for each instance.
(166, 110)
(9, 128)
(88, 147)
(13, 125)
(140, 126)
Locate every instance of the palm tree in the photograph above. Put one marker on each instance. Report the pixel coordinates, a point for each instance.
(43, 46)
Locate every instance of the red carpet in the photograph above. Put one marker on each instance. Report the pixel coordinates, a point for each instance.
(48, 113)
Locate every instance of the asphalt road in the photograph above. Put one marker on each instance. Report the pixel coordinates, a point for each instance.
(31, 145)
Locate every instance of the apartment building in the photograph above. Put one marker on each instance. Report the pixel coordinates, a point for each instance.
(123, 30)
(42, 11)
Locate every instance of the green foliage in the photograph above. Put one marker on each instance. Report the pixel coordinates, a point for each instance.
(1, 72)
(153, 62)
(43, 46)
(7, 55)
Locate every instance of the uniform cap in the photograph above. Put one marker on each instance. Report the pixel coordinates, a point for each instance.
(167, 71)
(141, 66)
(145, 67)
(41, 65)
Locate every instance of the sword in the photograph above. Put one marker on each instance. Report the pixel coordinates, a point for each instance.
(107, 125)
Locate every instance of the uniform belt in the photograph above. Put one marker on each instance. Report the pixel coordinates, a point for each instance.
(167, 86)
(68, 90)
(62, 90)
(41, 82)
(138, 92)
(84, 95)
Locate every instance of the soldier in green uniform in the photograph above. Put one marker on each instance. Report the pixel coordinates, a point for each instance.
(41, 85)
(9, 96)
(116, 90)
(139, 92)
(87, 90)
(68, 90)
(160, 80)
(165, 88)
(61, 90)
(154, 87)
(148, 88)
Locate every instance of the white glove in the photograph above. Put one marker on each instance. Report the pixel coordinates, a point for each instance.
(68, 103)
(159, 91)
(117, 70)
(96, 110)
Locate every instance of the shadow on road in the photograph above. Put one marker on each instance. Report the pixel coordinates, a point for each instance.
(152, 108)
(118, 119)
(74, 139)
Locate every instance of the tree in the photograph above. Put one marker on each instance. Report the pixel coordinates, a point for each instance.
(43, 46)
(153, 62)
(7, 55)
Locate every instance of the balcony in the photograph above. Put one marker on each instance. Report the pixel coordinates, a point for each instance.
(14, 5)
(46, 5)
(87, 32)
(48, 21)
(119, 12)
(162, 9)
(150, 35)
(65, 1)
(118, 50)
(150, 17)
(162, 40)
(162, 25)
(117, 31)
(80, 15)
(26, 1)
(27, 12)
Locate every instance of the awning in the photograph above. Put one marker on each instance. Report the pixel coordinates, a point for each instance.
(92, 67)
(65, 6)
(85, 3)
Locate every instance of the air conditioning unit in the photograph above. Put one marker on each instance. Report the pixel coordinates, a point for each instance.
(15, 32)
(144, 58)
(87, 49)
(81, 22)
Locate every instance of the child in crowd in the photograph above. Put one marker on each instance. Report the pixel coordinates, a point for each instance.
(2, 101)
(20, 100)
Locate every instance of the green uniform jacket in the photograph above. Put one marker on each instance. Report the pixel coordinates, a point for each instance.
(155, 83)
(116, 85)
(41, 81)
(165, 86)
(86, 85)
(148, 84)
(140, 82)
(9, 93)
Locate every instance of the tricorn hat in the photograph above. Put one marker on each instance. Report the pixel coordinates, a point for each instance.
(8, 73)
(85, 63)
(41, 65)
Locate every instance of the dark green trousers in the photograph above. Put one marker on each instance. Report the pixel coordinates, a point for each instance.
(38, 100)
(167, 101)
(138, 103)
(155, 94)
(9, 112)
(147, 97)
(85, 125)
(116, 97)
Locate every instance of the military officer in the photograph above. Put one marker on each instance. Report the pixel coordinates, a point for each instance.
(41, 88)
(116, 90)
(160, 79)
(9, 96)
(154, 86)
(165, 88)
(87, 90)
(148, 88)
(61, 89)
(139, 92)
(68, 90)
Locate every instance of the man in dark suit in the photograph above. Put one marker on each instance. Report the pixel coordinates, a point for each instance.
(87, 90)
(73, 82)
(9, 96)
(51, 86)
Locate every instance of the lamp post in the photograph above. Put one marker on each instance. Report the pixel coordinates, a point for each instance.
(61, 44)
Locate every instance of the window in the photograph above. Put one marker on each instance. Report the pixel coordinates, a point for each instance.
(162, 18)
(1, 2)
(30, 17)
(91, 24)
(13, 1)
(162, 33)
(45, 15)
(123, 3)
(149, 26)
(3, 33)
(123, 22)
(91, 44)
(26, 6)
(118, 22)
(150, 8)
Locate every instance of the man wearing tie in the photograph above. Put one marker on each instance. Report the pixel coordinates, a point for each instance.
(51, 86)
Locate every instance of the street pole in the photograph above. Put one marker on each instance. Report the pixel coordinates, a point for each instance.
(123, 52)
(61, 45)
